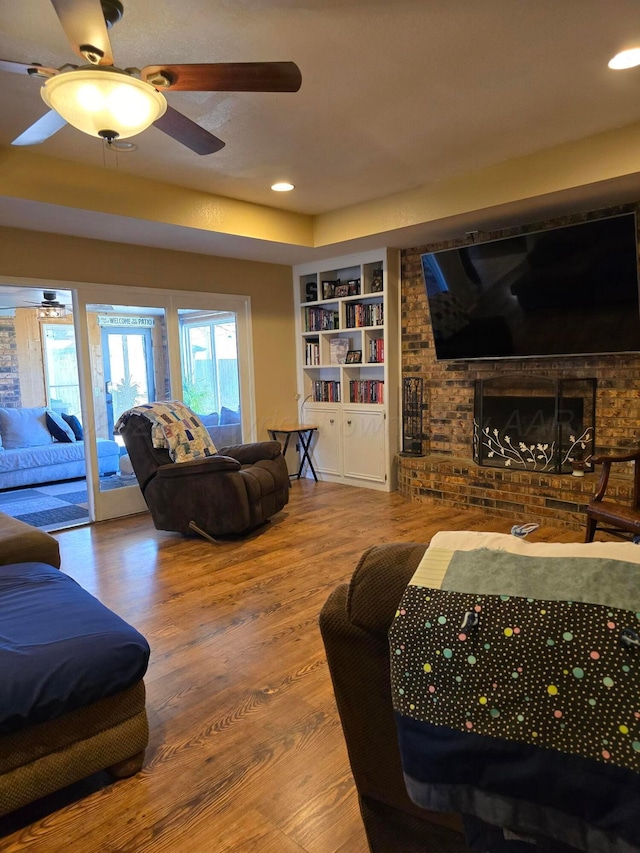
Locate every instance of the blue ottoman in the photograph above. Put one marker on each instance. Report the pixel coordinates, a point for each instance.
(72, 700)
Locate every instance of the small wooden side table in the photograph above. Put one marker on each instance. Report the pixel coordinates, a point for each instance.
(305, 433)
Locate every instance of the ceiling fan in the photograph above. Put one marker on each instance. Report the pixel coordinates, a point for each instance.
(115, 103)
(49, 306)
(49, 300)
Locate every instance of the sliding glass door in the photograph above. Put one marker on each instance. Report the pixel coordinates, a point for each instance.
(127, 355)
(194, 347)
(90, 352)
(128, 365)
(216, 363)
(209, 363)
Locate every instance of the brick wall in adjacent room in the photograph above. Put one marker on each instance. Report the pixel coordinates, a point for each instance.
(446, 473)
(9, 378)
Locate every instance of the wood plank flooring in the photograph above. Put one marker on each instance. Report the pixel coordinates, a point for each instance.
(246, 750)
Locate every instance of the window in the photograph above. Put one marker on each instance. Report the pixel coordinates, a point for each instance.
(61, 368)
(209, 355)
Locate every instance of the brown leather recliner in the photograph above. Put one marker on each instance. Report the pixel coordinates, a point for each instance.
(232, 492)
(354, 623)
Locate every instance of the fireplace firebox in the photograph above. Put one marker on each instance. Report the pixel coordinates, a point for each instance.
(532, 423)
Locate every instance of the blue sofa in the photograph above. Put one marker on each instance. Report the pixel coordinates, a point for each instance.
(30, 454)
(224, 428)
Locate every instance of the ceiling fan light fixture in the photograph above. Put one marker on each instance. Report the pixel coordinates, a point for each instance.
(52, 312)
(104, 102)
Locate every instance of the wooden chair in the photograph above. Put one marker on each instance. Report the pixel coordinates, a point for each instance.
(619, 519)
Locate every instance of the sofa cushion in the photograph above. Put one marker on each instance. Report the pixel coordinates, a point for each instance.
(22, 543)
(24, 427)
(228, 416)
(378, 583)
(57, 453)
(58, 428)
(75, 425)
(210, 420)
(51, 666)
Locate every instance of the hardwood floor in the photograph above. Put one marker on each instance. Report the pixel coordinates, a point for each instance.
(246, 751)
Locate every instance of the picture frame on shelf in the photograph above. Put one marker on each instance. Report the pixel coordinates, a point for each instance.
(338, 350)
(354, 356)
(377, 282)
(329, 289)
(342, 289)
(354, 287)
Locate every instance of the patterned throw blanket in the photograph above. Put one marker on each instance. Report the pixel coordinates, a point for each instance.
(515, 674)
(174, 427)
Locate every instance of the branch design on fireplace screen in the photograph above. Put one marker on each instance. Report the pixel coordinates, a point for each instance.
(535, 457)
(534, 424)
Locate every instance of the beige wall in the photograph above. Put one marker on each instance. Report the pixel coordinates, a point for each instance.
(53, 258)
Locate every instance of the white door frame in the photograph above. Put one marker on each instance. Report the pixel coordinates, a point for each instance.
(128, 499)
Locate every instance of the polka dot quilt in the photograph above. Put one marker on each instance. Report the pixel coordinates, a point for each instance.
(515, 671)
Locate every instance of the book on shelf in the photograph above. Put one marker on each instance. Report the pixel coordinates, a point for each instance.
(376, 351)
(366, 391)
(364, 314)
(312, 353)
(326, 391)
(320, 319)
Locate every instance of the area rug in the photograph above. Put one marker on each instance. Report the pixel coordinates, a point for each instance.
(51, 507)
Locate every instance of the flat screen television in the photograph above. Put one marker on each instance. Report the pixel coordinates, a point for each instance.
(562, 291)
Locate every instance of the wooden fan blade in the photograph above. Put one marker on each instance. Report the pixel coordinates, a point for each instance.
(84, 25)
(41, 130)
(182, 129)
(226, 77)
(33, 68)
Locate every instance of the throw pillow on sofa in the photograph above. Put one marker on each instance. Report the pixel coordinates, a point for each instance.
(75, 425)
(210, 420)
(24, 427)
(228, 416)
(58, 428)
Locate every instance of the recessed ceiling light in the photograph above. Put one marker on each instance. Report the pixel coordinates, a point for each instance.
(625, 59)
(282, 187)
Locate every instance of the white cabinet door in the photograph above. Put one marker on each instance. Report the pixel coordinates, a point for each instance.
(325, 444)
(364, 444)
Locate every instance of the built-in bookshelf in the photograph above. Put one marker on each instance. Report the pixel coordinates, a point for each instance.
(347, 321)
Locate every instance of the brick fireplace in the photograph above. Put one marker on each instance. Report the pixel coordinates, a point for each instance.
(447, 473)
(533, 423)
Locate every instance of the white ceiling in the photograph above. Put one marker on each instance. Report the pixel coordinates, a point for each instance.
(396, 94)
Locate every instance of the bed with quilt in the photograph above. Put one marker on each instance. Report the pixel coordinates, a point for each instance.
(515, 671)
(72, 699)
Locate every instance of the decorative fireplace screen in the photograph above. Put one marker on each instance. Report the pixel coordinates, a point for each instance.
(534, 424)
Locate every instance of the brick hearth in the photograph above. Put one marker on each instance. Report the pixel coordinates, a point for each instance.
(446, 473)
(558, 500)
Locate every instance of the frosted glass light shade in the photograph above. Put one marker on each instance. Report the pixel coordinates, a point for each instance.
(625, 59)
(103, 102)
